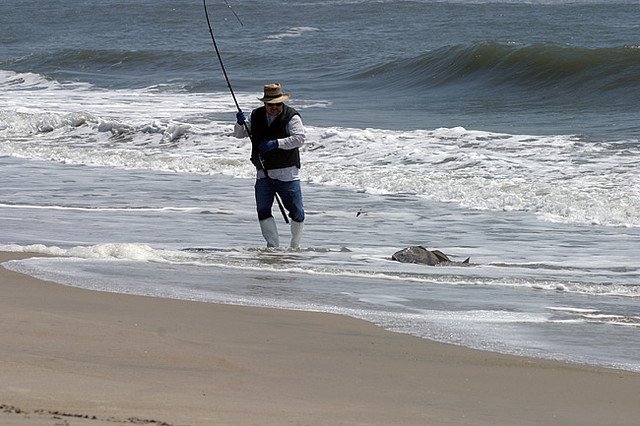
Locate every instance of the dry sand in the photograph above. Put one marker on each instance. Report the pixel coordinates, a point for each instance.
(84, 358)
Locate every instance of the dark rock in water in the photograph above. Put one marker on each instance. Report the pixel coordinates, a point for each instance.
(420, 255)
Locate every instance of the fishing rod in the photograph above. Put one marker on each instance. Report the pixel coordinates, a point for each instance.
(233, 95)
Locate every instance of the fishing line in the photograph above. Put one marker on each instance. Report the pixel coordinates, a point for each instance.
(233, 95)
(234, 13)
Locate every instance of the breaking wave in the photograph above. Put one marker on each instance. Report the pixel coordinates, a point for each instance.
(560, 178)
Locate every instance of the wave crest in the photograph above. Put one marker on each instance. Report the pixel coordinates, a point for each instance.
(539, 66)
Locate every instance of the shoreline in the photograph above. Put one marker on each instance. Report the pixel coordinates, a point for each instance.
(92, 358)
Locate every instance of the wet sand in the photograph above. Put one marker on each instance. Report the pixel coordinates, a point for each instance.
(78, 357)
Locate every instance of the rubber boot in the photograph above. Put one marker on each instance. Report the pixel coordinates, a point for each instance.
(270, 232)
(296, 233)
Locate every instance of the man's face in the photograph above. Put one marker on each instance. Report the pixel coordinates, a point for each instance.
(274, 109)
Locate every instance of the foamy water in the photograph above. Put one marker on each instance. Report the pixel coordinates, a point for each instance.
(565, 178)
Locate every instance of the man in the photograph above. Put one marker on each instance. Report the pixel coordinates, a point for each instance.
(276, 133)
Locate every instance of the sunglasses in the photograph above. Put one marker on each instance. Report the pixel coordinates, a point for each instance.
(275, 105)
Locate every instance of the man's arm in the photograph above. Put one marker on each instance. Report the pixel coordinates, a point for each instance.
(239, 131)
(296, 136)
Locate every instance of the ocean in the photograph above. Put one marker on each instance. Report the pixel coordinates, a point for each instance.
(503, 131)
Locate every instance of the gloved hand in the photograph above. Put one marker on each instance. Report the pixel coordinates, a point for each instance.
(267, 146)
(240, 118)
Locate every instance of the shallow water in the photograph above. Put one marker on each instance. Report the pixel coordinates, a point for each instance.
(534, 288)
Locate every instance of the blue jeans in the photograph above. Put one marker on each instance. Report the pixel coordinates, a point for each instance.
(289, 192)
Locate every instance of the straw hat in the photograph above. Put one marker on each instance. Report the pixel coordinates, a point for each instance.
(273, 94)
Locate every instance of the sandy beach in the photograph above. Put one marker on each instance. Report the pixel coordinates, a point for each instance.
(77, 357)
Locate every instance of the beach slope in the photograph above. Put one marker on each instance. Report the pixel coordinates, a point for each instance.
(78, 357)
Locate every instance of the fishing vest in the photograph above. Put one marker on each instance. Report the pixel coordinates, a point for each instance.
(261, 131)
